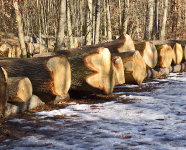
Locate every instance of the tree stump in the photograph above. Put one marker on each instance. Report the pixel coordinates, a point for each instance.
(20, 89)
(165, 55)
(148, 52)
(48, 75)
(3, 91)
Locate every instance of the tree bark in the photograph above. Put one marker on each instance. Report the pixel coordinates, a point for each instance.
(61, 26)
(109, 27)
(149, 20)
(125, 17)
(177, 53)
(94, 71)
(165, 55)
(122, 44)
(20, 89)
(162, 32)
(3, 91)
(70, 36)
(97, 22)
(20, 29)
(148, 52)
(50, 75)
(156, 21)
(89, 23)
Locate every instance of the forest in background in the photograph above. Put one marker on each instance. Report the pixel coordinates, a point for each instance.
(87, 22)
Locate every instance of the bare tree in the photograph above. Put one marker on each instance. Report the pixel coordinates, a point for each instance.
(20, 29)
(125, 17)
(149, 20)
(109, 27)
(97, 22)
(61, 26)
(162, 33)
(89, 23)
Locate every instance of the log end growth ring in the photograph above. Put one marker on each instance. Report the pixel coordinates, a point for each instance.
(60, 69)
(103, 76)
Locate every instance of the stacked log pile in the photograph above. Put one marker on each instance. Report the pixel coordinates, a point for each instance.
(88, 69)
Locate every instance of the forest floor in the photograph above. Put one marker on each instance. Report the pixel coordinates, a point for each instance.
(152, 116)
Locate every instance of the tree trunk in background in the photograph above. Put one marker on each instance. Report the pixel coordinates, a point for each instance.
(162, 34)
(89, 23)
(20, 29)
(149, 20)
(125, 17)
(69, 26)
(156, 22)
(97, 23)
(61, 26)
(109, 27)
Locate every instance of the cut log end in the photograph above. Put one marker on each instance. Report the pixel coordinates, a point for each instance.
(135, 68)
(60, 69)
(177, 54)
(100, 63)
(20, 89)
(165, 55)
(148, 52)
(127, 45)
(119, 70)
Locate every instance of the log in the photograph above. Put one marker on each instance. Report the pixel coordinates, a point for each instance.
(165, 55)
(157, 73)
(177, 53)
(48, 75)
(3, 91)
(122, 44)
(148, 52)
(134, 67)
(178, 68)
(95, 71)
(184, 53)
(20, 89)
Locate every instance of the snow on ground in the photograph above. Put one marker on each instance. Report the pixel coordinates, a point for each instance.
(155, 119)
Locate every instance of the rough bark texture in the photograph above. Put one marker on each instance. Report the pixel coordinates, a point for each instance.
(94, 70)
(162, 32)
(165, 55)
(20, 89)
(149, 20)
(3, 91)
(50, 75)
(89, 23)
(98, 15)
(109, 27)
(148, 52)
(177, 53)
(122, 44)
(61, 26)
(134, 67)
(20, 29)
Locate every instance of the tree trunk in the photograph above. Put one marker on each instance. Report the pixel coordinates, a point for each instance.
(125, 17)
(71, 45)
(148, 52)
(177, 53)
(3, 91)
(20, 89)
(122, 44)
(149, 20)
(97, 22)
(156, 21)
(61, 26)
(89, 23)
(184, 53)
(109, 27)
(162, 33)
(165, 55)
(50, 75)
(20, 29)
(93, 70)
